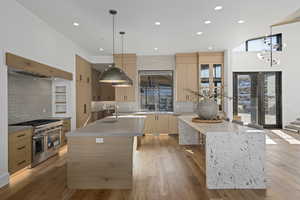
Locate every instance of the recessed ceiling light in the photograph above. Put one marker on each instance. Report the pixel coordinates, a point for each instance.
(207, 22)
(218, 8)
(155, 49)
(241, 21)
(157, 23)
(101, 49)
(75, 24)
(199, 33)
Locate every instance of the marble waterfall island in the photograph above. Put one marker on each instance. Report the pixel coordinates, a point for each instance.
(100, 156)
(234, 154)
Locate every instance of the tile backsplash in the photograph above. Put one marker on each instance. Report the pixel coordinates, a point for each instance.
(29, 98)
(184, 107)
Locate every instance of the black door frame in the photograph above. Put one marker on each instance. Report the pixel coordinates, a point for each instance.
(258, 78)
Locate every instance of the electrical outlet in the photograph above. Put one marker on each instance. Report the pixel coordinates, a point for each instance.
(99, 140)
(44, 110)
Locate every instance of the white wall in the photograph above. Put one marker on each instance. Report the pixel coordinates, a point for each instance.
(3, 122)
(289, 65)
(24, 34)
(228, 89)
(101, 59)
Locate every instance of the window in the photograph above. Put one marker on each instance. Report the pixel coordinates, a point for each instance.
(156, 90)
(264, 43)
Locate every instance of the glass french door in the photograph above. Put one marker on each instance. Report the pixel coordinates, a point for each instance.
(257, 98)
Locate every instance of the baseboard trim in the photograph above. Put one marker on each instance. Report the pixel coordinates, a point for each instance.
(4, 178)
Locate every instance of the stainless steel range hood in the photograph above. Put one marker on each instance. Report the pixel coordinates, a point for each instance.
(25, 73)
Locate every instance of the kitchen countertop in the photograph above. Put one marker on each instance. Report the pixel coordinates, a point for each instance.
(60, 118)
(225, 126)
(154, 113)
(126, 125)
(13, 129)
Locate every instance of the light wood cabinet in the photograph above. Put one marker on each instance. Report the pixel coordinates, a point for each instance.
(96, 86)
(30, 66)
(83, 91)
(108, 165)
(186, 76)
(149, 124)
(101, 91)
(129, 67)
(173, 124)
(65, 129)
(211, 75)
(160, 124)
(19, 150)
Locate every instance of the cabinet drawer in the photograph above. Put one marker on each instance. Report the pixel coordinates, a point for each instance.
(19, 155)
(21, 135)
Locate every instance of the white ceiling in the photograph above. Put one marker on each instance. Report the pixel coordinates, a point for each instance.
(180, 20)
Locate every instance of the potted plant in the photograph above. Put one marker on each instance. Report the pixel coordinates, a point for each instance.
(207, 108)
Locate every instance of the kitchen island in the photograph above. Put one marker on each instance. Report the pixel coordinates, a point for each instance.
(234, 154)
(100, 156)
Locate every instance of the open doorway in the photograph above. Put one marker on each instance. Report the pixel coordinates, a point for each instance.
(257, 98)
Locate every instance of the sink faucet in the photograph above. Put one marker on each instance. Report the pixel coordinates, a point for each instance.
(117, 111)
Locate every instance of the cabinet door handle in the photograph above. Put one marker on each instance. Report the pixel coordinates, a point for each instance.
(20, 163)
(80, 77)
(21, 135)
(20, 148)
(84, 108)
(27, 63)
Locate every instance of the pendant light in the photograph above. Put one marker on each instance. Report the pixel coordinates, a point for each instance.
(113, 74)
(129, 82)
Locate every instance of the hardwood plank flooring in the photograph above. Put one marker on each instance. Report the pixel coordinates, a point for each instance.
(163, 170)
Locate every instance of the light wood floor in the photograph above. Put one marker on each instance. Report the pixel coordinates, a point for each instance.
(163, 170)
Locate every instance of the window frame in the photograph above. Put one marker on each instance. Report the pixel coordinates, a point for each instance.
(139, 88)
(278, 36)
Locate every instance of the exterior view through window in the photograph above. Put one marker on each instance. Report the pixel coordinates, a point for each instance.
(156, 90)
(263, 43)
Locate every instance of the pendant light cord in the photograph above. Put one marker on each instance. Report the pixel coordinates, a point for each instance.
(123, 51)
(113, 35)
(271, 37)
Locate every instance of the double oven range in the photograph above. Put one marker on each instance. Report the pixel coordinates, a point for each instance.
(46, 138)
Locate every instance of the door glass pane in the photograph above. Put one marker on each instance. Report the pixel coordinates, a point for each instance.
(257, 98)
(217, 71)
(204, 87)
(247, 102)
(217, 92)
(204, 71)
(270, 97)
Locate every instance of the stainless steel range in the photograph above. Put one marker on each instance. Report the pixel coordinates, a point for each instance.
(46, 138)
